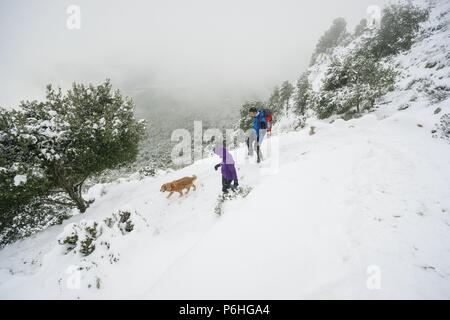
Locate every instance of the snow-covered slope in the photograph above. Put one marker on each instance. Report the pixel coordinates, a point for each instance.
(360, 209)
(356, 194)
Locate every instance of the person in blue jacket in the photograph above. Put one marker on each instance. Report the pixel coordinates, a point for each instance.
(259, 128)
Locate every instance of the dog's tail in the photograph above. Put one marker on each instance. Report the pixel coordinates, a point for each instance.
(194, 177)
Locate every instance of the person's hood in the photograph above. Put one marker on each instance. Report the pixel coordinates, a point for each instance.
(222, 152)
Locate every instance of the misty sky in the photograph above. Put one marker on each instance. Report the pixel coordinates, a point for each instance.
(165, 54)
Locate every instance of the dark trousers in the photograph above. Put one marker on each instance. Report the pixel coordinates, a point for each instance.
(227, 185)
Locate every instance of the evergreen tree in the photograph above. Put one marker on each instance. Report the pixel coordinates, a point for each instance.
(285, 94)
(359, 29)
(275, 104)
(57, 144)
(399, 25)
(245, 121)
(353, 84)
(334, 36)
(302, 96)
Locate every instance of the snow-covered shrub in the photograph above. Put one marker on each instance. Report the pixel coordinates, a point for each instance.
(333, 37)
(240, 192)
(398, 27)
(80, 237)
(443, 128)
(147, 171)
(85, 236)
(48, 149)
(302, 95)
(27, 219)
(352, 84)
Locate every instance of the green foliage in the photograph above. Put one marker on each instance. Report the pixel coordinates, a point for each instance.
(240, 192)
(333, 37)
(125, 224)
(275, 103)
(17, 150)
(399, 25)
(353, 84)
(87, 246)
(302, 97)
(55, 145)
(443, 128)
(286, 91)
(321, 103)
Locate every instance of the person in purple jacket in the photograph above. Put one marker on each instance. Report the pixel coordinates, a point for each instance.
(229, 175)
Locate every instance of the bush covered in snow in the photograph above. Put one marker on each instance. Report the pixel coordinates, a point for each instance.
(443, 128)
(352, 84)
(27, 219)
(302, 97)
(334, 36)
(240, 192)
(84, 237)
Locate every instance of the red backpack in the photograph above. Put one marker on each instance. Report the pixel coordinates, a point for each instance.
(267, 114)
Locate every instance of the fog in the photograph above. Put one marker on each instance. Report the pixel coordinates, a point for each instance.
(175, 56)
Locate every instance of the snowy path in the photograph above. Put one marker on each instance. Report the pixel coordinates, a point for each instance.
(378, 196)
(356, 194)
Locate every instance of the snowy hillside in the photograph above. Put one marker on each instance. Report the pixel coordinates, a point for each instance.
(355, 201)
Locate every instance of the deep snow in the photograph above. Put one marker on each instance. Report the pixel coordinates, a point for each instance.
(356, 194)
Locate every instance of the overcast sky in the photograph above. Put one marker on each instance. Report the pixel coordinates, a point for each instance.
(198, 51)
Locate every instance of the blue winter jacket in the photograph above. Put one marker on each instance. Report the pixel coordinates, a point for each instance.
(257, 120)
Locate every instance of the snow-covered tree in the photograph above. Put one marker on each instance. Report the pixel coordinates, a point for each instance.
(21, 178)
(399, 25)
(302, 96)
(334, 36)
(286, 91)
(245, 121)
(71, 136)
(360, 27)
(274, 103)
(352, 84)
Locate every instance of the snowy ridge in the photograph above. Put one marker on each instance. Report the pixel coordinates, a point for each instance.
(356, 196)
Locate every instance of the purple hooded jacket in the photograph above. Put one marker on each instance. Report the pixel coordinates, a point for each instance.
(227, 167)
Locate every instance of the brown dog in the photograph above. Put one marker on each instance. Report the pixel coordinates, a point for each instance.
(179, 185)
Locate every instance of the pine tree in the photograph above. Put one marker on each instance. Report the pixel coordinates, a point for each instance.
(333, 37)
(399, 24)
(285, 94)
(302, 96)
(352, 84)
(274, 103)
(359, 29)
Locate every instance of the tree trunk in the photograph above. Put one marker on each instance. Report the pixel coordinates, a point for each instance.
(75, 195)
(74, 191)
